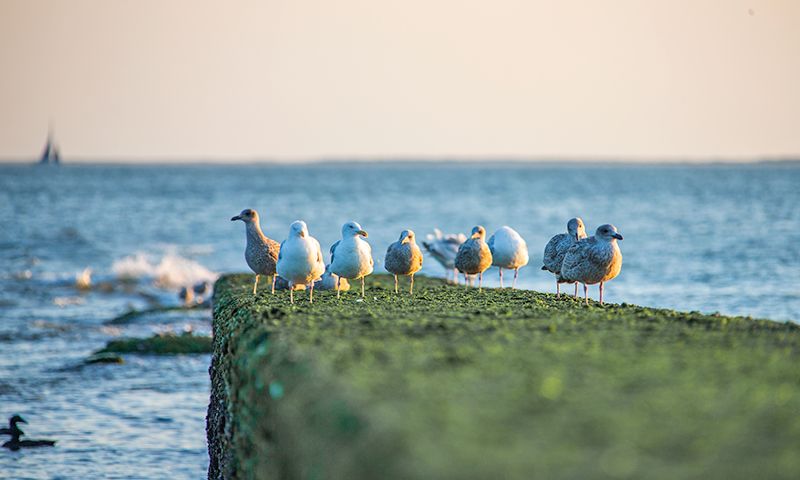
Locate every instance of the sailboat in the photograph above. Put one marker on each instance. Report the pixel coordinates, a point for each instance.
(51, 154)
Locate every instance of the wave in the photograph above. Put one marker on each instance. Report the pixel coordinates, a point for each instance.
(169, 271)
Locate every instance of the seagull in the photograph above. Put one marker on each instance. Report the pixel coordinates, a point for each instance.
(404, 257)
(329, 281)
(282, 284)
(509, 250)
(443, 248)
(557, 247)
(300, 260)
(474, 256)
(15, 443)
(261, 252)
(351, 257)
(596, 259)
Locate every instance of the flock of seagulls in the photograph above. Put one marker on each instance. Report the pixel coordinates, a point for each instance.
(298, 264)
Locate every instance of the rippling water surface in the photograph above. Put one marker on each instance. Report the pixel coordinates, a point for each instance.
(708, 238)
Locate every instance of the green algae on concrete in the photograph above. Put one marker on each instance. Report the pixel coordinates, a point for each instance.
(505, 384)
(159, 344)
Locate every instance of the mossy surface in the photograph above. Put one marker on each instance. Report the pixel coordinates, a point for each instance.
(160, 344)
(454, 383)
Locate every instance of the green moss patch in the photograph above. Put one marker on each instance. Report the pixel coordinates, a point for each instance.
(452, 383)
(161, 344)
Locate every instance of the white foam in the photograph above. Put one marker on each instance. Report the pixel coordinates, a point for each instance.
(170, 271)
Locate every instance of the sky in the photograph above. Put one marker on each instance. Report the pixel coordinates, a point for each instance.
(295, 80)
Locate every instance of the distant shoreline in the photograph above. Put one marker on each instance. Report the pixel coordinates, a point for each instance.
(455, 161)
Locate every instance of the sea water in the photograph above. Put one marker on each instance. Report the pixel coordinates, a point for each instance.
(722, 238)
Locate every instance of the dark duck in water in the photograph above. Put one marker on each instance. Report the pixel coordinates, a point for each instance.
(15, 443)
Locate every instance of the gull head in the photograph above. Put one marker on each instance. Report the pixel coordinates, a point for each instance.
(407, 236)
(608, 233)
(576, 228)
(248, 215)
(478, 232)
(352, 229)
(298, 228)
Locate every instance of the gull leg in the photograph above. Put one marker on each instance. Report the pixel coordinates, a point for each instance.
(291, 292)
(395, 284)
(558, 289)
(501, 276)
(255, 285)
(585, 293)
(362, 287)
(411, 290)
(601, 293)
(338, 282)
(311, 294)
(273, 283)
(480, 281)
(576, 289)
(514, 283)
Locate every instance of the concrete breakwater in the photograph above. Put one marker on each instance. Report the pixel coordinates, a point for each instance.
(451, 383)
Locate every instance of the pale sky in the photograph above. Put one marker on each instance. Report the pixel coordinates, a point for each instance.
(302, 80)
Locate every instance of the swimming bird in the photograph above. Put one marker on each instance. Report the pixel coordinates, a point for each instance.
(557, 247)
(300, 260)
(404, 257)
(261, 252)
(596, 259)
(15, 443)
(329, 281)
(351, 257)
(474, 256)
(443, 248)
(509, 250)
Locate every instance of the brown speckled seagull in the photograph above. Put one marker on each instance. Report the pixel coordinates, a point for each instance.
(261, 252)
(474, 256)
(404, 257)
(596, 259)
(557, 247)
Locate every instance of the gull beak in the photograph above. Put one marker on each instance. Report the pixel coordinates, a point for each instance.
(237, 217)
(363, 233)
(617, 236)
(302, 234)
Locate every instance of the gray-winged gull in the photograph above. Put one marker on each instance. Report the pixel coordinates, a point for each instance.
(443, 248)
(404, 257)
(300, 261)
(557, 247)
(474, 256)
(329, 281)
(351, 257)
(261, 252)
(509, 250)
(596, 259)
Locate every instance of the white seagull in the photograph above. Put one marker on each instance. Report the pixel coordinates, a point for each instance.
(557, 247)
(509, 250)
(300, 260)
(351, 257)
(596, 259)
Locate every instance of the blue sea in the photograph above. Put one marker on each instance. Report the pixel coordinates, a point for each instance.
(722, 238)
